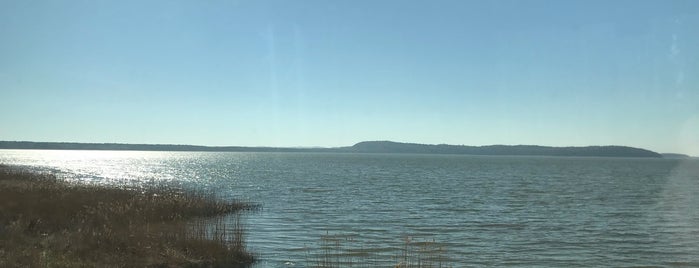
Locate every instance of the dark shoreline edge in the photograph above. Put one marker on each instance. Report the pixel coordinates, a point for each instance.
(361, 147)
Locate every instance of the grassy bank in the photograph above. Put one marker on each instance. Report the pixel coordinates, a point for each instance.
(45, 222)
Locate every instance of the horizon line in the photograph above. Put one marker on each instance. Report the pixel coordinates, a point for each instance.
(315, 147)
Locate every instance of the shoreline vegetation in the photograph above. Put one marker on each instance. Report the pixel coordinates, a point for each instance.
(46, 222)
(361, 147)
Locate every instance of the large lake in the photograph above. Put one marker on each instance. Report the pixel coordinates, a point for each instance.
(481, 211)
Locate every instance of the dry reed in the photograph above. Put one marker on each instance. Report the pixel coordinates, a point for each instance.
(45, 222)
(338, 251)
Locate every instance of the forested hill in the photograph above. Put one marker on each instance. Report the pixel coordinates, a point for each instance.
(362, 147)
(396, 147)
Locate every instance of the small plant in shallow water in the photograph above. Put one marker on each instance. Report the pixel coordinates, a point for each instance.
(339, 251)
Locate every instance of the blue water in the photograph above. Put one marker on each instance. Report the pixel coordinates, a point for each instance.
(478, 210)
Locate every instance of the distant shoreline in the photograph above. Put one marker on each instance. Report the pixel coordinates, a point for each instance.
(362, 147)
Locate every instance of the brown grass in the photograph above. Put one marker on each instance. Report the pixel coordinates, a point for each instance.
(45, 222)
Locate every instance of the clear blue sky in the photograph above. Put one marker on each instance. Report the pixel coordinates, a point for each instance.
(333, 73)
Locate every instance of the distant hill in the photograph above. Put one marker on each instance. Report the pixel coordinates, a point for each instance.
(362, 147)
(396, 147)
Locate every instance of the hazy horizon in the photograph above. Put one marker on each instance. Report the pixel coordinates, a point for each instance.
(335, 147)
(334, 73)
